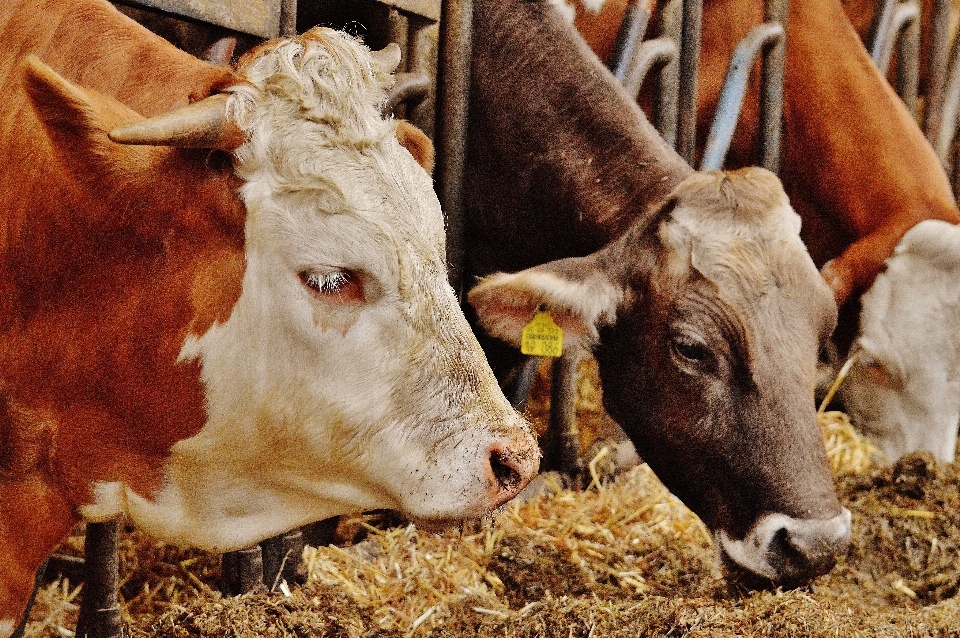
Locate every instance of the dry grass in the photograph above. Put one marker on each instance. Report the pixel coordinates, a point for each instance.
(622, 558)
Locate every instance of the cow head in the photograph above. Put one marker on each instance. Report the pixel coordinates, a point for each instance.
(706, 320)
(337, 371)
(903, 389)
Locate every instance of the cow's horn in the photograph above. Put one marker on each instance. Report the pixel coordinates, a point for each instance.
(203, 124)
(387, 58)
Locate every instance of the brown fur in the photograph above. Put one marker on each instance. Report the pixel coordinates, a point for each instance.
(105, 249)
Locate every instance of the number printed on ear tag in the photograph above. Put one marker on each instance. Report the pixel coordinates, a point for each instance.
(542, 337)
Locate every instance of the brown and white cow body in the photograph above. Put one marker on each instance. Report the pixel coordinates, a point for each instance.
(223, 347)
(694, 290)
(860, 173)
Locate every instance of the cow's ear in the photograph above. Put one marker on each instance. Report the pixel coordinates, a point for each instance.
(579, 295)
(417, 142)
(77, 121)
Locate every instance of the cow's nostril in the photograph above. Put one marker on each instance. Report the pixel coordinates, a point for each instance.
(505, 470)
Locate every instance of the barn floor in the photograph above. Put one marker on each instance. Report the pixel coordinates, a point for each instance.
(622, 558)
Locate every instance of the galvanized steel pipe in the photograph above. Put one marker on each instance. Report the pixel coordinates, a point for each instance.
(453, 94)
(734, 90)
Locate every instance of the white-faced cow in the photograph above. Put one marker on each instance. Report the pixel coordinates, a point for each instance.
(701, 303)
(904, 385)
(223, 346)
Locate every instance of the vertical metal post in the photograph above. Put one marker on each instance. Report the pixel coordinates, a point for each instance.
(242, 571)
(288, 17)
(561, 449)
(629, 37)
(281, 557)
(907, 21)
(689, 70)
(880, 28)
(453, 89)
(771, 100)
(666, 113)
(937, 57)
(100, 607)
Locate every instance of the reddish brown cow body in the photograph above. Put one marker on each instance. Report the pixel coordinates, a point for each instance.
(52, 304)
(170, 315)
(855, 164)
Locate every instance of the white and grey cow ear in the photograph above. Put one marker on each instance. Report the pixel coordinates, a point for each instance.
(579, 296)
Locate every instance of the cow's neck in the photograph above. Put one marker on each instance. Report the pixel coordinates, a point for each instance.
(558, 153)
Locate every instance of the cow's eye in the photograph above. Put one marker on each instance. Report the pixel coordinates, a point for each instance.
(337, 285)
(690, 349)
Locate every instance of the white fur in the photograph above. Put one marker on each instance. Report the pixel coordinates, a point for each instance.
(809, 536)
(567, 10)
(315, 407)
(6, 628)
(903, 390)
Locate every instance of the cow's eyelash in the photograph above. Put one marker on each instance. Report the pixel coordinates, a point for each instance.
(326, 283)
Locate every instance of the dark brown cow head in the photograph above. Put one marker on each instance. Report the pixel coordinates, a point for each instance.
(706, 320)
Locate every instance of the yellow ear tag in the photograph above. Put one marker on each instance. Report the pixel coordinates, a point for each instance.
(541, 337)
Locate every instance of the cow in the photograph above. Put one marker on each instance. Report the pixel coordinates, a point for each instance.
(873, 178)
(693, 289)
(230, 318)
(908, 349)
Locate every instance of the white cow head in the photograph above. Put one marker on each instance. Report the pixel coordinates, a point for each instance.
(345, 377)
(903, 389)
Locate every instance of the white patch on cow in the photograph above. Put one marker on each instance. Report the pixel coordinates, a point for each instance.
(591, 302)
(317, 407)
(594, 6)
(903, 390)
(814, 539)
(109, 502)
(567, 10)
(6, 628)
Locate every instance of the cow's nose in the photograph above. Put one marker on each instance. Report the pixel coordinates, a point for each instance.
(787, 551)
(509, 469)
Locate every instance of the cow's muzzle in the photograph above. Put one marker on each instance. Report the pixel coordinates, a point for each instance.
(783, 551)
(509, 469)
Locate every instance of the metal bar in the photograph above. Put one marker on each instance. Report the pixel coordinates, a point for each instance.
(947, 128)
(903, 15)
(100, 607)
(771, 92)
(937, 59)
(288, 18)
(880, 29)
(562, 450)
(242, 571)
(37, 581)
(526, 373)
(281, 557)
(908, 54)
(652, 53)
(689, 70)
(666, 109)
(453, 89)
(629, 37)
(256, 17)
(733, 91)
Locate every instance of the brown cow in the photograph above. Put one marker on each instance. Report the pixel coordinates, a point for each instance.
(861, 174)
(703, 308)
(231, 336)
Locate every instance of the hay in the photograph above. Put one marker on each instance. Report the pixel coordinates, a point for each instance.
(622, 558)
